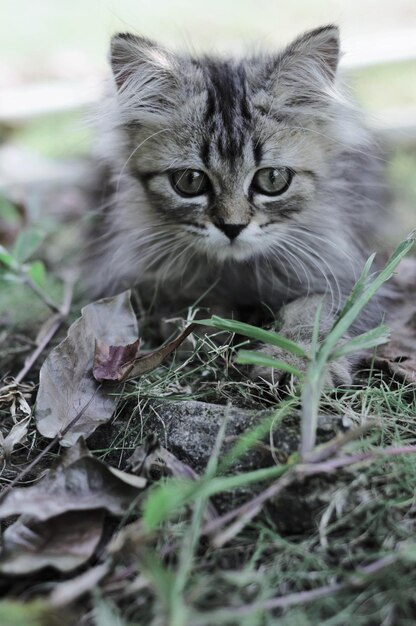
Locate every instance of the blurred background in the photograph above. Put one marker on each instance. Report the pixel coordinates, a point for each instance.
(53, 62)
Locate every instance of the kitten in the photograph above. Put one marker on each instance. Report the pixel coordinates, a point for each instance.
(251, 185)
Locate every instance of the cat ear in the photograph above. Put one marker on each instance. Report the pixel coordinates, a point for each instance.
(147, 77)
(304, 73)
(137, 58)
(314, 54)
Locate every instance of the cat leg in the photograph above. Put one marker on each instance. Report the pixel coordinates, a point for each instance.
(298, 319)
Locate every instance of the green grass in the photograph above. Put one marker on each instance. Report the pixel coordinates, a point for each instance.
(354, 516)
(354, 519)
(354, 563)
(364, 514)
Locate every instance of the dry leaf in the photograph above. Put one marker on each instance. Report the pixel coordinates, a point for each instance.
(16, 394)
(118, 363)
(111, 362)
(79, 482)
(63, 542)
(151, 459)
(20, 406)
(66, 385)
(62, 516)
(67, 592)
(16, 435)
(153, 359)
(102, 345)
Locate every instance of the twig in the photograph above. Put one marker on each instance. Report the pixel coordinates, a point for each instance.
(357, 580)
(250, 509)
(332, 464)
(50, 445)
(329, 449)
(42, 295)
(231, 531)
(56, 320)
(27, 469)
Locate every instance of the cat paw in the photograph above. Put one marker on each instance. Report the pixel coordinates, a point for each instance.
(339, 372)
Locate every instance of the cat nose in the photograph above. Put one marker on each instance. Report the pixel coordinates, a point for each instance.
(231, 230)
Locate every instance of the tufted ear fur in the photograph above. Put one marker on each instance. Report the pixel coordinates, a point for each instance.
(314, 54)
(147, 76)
(130, 55)
(304, 73)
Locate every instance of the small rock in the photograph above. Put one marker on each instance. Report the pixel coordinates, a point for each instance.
(189, 430)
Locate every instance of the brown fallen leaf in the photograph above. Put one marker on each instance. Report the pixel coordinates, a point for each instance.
(121, 362)
(62, 516)
(16, 396)
(66, 384)
(63, 542)
(102, 345)
(70, 590)
(110, 362)
(79, 482)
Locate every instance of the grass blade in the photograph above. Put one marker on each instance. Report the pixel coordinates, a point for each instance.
(260, 334)
(359, 298)
(372, 338)
(250, 437)
(251, 357)
(347, 317)
(358, 288)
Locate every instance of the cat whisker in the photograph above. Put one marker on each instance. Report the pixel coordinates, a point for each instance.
(315, 258)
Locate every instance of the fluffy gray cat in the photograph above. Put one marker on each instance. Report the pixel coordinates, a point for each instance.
(250, 185)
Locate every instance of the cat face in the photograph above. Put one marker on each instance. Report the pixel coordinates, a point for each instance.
(231, 199)
(229, 155)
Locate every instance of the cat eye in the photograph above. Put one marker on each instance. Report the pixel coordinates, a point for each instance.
(189, 182)
(272, 181)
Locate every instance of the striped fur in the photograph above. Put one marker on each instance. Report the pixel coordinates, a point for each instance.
(230, 118)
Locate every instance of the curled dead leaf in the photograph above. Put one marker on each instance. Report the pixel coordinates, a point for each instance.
(112, 362)
(62, 516)
(79, 482)
(119, 363)
(63, 542)
(67, 387)
(101, 346)
(153, 461)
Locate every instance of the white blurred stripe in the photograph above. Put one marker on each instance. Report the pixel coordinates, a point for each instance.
(21, 104)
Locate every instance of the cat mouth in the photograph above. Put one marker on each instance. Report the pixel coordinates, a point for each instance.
(221, 242)
(235, 249)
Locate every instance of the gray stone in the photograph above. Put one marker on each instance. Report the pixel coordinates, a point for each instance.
(189, 430)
